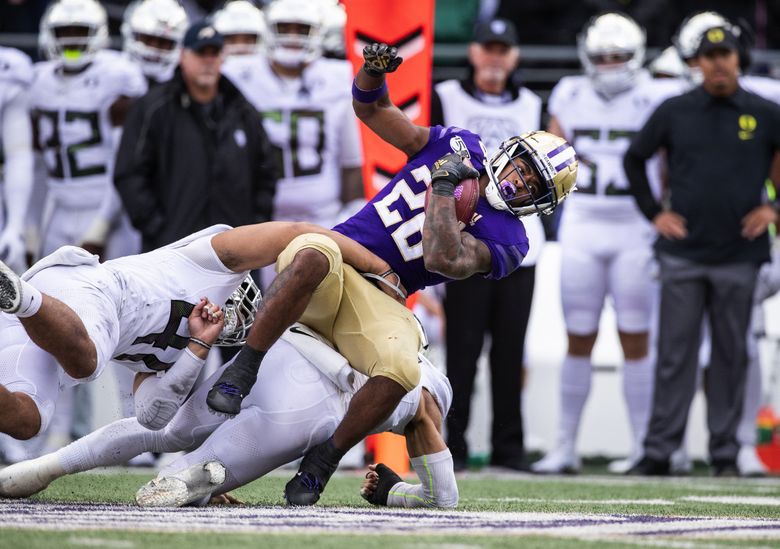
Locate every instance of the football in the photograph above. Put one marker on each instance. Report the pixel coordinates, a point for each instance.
(466, 198)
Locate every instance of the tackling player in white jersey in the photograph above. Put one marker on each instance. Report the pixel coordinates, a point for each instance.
(78, 99)
(152, 31)
(605, 240)
(16, 141)
(302, 393)
(72, 314)
(307, 108)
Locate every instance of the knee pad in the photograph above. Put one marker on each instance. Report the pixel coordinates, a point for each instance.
(323, 244)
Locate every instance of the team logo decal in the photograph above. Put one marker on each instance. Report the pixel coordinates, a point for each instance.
(459, 146)
(747, 125)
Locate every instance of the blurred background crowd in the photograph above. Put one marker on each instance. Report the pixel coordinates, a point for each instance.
(128, 125)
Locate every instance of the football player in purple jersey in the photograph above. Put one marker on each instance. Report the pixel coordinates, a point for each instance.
(364, 315)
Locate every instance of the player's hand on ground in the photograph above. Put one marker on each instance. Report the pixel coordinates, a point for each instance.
(206, 321)
(671, 225)
(380, 59)
(225, 499)
(757, 221)
(370, 483)
(453, 168)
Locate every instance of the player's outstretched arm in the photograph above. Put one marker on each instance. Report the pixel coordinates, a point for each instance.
(255, 246)
(372, 104)
(431, 460)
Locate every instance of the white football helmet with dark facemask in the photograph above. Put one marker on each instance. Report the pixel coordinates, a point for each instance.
(240, 309)
(73, 31)
(293, 49)
(152, 31)
(553, 160)
(241, 17)
(611, 48)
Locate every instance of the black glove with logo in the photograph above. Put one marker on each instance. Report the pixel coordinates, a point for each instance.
(448, 171)
(380, 59)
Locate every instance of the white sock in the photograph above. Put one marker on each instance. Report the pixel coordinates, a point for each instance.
(575, 387)
(438, 486)
(638, 382)
(113, 444)
(31, 300)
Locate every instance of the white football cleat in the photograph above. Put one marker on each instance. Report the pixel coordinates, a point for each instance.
(26, 478)
(622, 466)
(190, 485)
(560, 461)
(10, 290)
(749, 464)
(680, 463)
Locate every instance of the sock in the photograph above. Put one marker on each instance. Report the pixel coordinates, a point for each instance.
(438, 486)
(31, 300)
(248, 360)
(322, 460)
(575, 387)
(638, 382)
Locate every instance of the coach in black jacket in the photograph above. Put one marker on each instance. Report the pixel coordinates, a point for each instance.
(193, 151)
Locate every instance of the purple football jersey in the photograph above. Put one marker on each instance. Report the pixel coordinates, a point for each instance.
(390, 225)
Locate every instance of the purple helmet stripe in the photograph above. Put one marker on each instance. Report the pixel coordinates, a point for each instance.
(565, 163)
(557, 150)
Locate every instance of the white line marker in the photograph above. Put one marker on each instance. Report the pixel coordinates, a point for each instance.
(98, 542)
(735, 500)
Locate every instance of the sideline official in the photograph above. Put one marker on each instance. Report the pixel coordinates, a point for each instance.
(719, 141)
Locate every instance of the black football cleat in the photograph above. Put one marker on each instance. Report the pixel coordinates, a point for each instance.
(387, 479)
(229, 391)
(649, 467)
(316, 468)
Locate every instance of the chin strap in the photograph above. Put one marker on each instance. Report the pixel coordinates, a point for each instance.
(382, 279)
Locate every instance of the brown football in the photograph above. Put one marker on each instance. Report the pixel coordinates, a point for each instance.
(466, 197)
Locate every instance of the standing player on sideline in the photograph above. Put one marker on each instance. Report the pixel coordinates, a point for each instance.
(79, 97)
(152, 31)
(424, 246)
(302, 393)
(72, 314)
(16, 140)
(605, 240)
(307, 114)
(243, 26)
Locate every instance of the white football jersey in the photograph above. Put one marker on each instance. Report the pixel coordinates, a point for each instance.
(600, 130)
(768, 88)
(73, 127)
(494, 122)
(16, 74)
(312, 126)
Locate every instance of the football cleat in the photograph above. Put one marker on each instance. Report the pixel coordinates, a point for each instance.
(26, 478)
(680, 463)
(10, 290)
(188, 486)
(313, 474)
(748, 463)
(622, 466)
(561, 461)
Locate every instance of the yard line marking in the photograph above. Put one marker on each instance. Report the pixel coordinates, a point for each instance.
(575, 501)
(98, 542)
(735, 500)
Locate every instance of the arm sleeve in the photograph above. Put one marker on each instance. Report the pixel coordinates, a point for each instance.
(135, 168)
(437, 488)
(264, 170)
(645, 143)
(351, 153)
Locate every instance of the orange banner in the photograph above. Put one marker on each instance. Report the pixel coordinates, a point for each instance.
(407, 25)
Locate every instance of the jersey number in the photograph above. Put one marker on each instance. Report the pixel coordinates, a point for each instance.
(162, 340)
(300, 119)
(52, 141)
(595, 134)
(388, 212)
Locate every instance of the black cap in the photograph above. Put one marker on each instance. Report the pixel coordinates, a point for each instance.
(497, 30)
(718, 38)
(202, 34)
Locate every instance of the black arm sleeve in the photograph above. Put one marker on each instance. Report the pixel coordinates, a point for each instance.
(134, 171)
(437, 112)
(643, 146)
(264, 170)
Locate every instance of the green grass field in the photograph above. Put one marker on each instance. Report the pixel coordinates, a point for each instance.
(594, 497)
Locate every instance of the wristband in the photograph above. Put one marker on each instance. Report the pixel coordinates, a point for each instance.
(200, 342)
(442, 187)
(368, 96)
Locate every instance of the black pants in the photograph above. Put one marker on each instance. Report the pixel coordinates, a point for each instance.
(688, 290)
(474, 307)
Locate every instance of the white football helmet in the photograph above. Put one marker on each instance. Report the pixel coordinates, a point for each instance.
(292, 49)
(668, 64)
(553, 159)
(612, 36)
(689, 35)
(240, 309)
(152, 31)
(334, 20)
(240, 17)
(73, 31)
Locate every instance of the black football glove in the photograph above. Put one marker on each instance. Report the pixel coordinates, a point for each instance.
(380, 59)
(452, 169)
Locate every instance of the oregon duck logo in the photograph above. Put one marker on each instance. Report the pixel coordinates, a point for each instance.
(747, 125)
(715, 36)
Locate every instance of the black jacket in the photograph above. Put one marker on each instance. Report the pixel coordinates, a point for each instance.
(179, 169)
